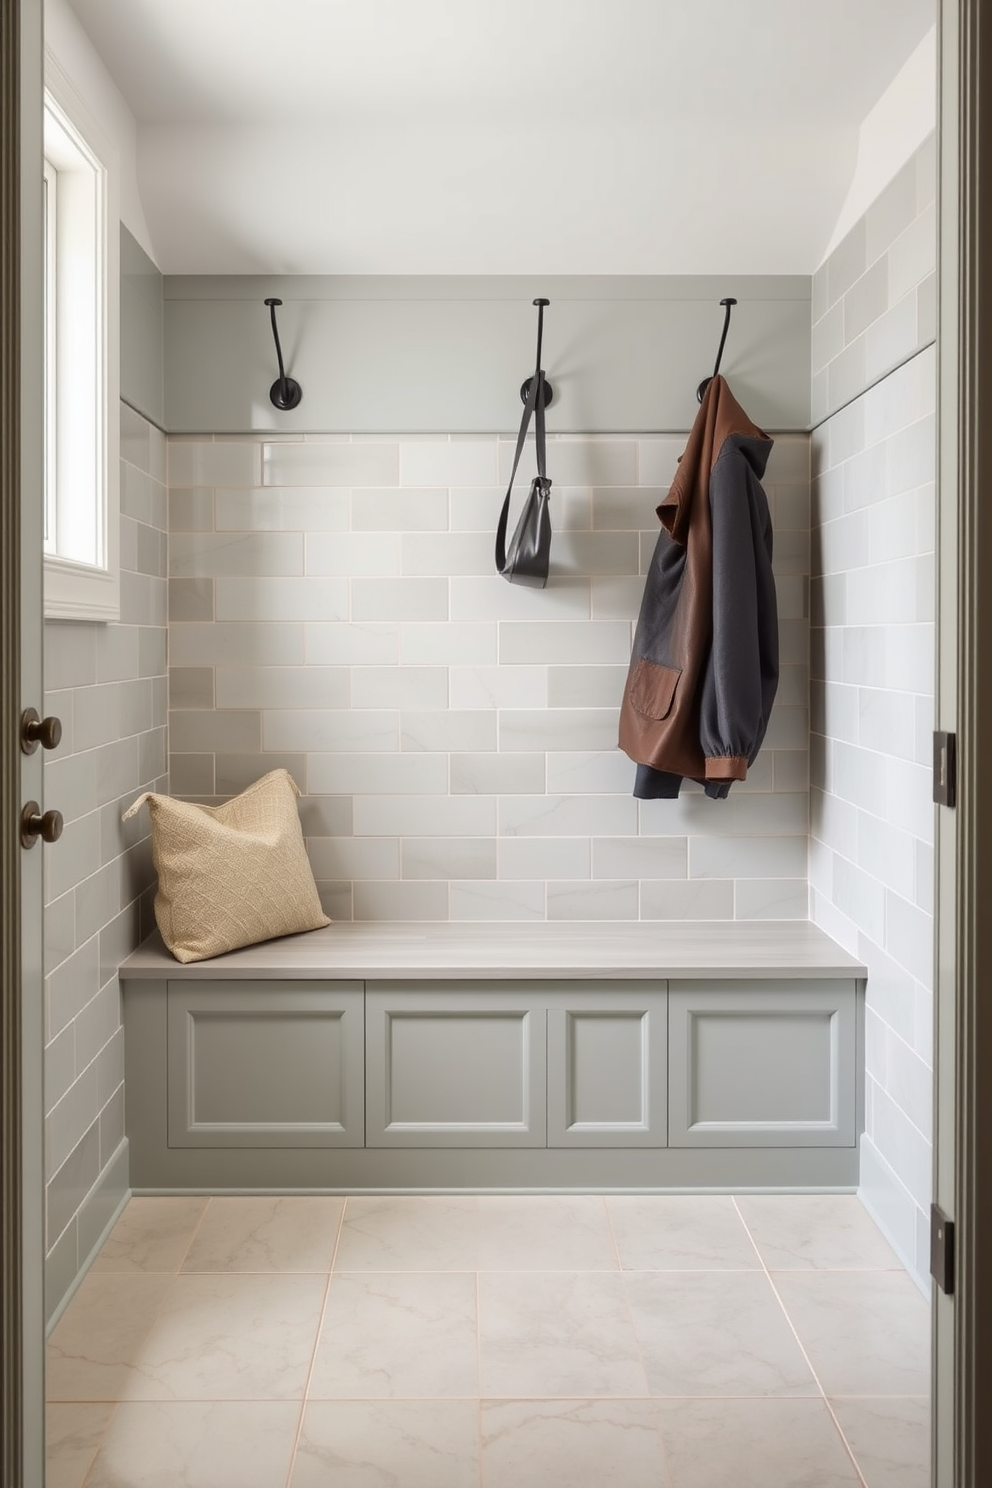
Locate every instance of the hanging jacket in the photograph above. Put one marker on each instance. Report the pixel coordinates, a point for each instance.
(704, 668)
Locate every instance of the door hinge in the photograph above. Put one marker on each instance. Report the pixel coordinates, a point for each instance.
(942, 1250)
(945, 768)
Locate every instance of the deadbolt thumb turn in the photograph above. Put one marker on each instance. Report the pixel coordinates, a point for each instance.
(34, 825)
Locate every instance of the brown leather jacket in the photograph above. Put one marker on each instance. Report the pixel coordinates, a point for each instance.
(704, 668)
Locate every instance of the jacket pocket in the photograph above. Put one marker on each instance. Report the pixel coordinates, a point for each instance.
(652, 688)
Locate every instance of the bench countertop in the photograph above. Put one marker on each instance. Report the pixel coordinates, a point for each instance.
(346, 951)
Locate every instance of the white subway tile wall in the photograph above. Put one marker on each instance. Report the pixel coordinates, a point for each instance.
(872, 665)
(454, 735)
(109, 685)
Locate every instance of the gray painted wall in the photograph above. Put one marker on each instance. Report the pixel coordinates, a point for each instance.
(448, 355)
(142, 332)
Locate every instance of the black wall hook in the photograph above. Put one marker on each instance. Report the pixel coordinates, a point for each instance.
(525, 386)
(728, 305)
(285, 392)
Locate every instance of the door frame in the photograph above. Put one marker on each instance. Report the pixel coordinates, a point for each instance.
(22, 1250)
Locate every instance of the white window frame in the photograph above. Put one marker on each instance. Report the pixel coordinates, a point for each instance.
(82, 549)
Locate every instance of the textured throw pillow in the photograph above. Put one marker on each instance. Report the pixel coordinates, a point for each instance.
(231, 875)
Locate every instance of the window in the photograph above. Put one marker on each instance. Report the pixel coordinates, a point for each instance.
(82, 421)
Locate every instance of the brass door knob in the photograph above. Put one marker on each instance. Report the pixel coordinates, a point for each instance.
(44, 731)
(34, 824)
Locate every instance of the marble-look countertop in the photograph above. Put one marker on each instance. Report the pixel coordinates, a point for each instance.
(519, 952)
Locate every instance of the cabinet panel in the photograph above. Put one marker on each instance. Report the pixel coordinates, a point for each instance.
(607, 1066)
(265, 1064)
(456, 1068)
(768, 1066)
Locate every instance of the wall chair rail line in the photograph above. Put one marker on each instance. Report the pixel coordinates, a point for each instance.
(417, 1057)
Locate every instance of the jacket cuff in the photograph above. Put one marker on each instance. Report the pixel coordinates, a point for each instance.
(727, 767)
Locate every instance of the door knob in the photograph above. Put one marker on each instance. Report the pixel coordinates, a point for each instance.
(44, 731)
(34, 825)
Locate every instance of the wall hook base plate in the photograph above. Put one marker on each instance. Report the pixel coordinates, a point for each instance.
(286, 394)
(549, 391)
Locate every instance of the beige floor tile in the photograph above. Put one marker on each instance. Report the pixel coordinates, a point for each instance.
(388, 1444)
(534, 1232)
(754, 1444)
(866, 1333)
(231, 1338)
(890, 1440)
(266, 1234)
(826, 1232)
(203, 1444)
(398, 1334)
(548, 1334)
(405, 1233)
(680, 1232)
(578, 1443)
(94, 1347)
(151, 1235)
(73, 1434)
(715, 1333)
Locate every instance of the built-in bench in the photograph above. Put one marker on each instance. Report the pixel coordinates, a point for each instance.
(498, 1056)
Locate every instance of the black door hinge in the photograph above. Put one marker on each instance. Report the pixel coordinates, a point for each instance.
(942, 1250)
(945, 768)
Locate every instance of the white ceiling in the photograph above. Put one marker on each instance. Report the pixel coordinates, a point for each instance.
(498, 136)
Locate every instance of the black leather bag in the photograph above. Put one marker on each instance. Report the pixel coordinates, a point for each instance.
(527, 558)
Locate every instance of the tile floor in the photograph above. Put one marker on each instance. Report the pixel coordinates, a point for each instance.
(492, 1342)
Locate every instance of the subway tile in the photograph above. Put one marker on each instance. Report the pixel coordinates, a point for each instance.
(913, 255)
(492, 598)
(429, 462)
(544, 858)
(593, 686)
(747, 857)
(498, 687)
(789, 459)
(74, 857)
(846, 375)
(399, 687)
(400, 901)
(415, 816)
(447, 729)
(570, 509)
(191, 599)
(910, 797)
(191, 687)
(144, 599)
(887, 721)
(314, 464)
(193, 462)
(60, 1065)
(892, 211)
(640, 857)
(834, 822)
(59, 930)
(791, 553)
(847, 262)
(606, 900)
(427, 642)
(153, 645)
(143, 498)
(283, 509)
(191, 774)
(97, 1022)
(901, 399)
(391, 775)
(283, 687)
(446, 553)
(658, 459)
(585, 642)
(200, 644)
(69, 1186)
(472, 508)
(74, 1114)
(912, 456)
(117, 769)
(626, 508)
(489, 899)
(135, 707)
(399, 599)
(116, 653)
(819, 292)
(356, 858)
(892, 338)
(616, 598)
(788, 728)
(70, 654)
(582, 462)
(861, 897)
(910, 1084)
(373, 643)
(698, 899)
(325, 816)
(792, 507)
(926, 310)
(202, 732)
(828, 337)
(98, 899)
(234, 773)
(595, 553)
(560, 728)
(281, 599)
(588, 772)
(866, 300)
(772, 815)
(191, 509)
(328, 730)
(903, 1146)
(404, 510)
(237, 555)
(566, 816)
(865, 477)
(771, 899)
(438, 858)
(135, 437)
(352, 553)
(485, 773)
(70, 784)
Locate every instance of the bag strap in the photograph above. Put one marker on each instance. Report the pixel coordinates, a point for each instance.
(534, 405)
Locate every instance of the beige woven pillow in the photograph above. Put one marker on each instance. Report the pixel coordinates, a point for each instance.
(231, 875)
